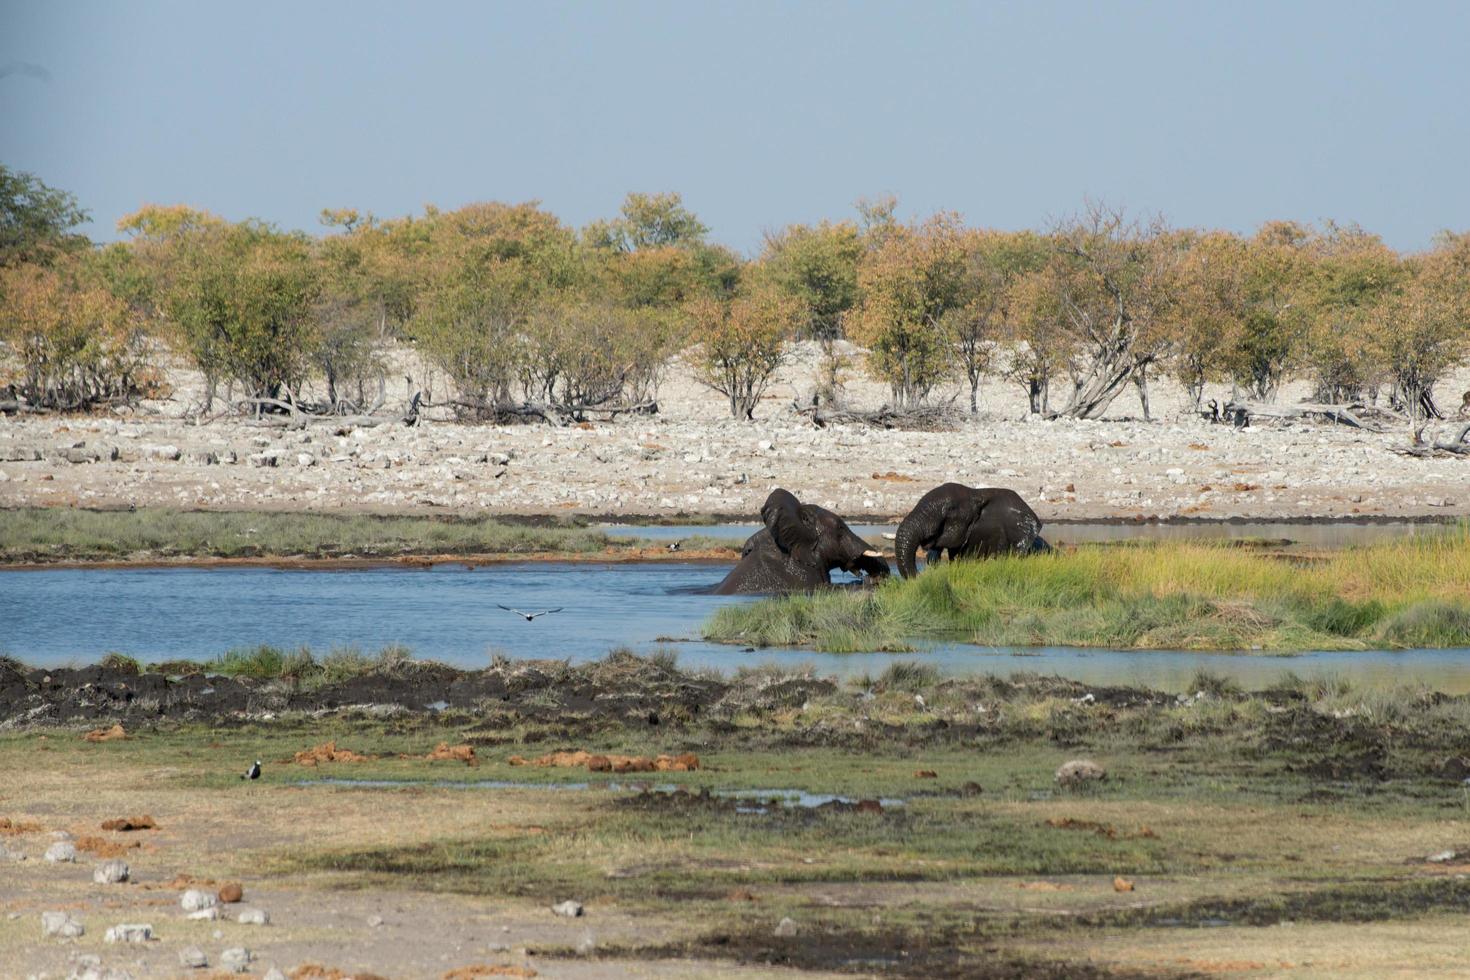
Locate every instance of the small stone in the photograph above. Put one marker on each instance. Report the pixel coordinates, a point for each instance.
(569, 909)
(99, 972)
(129, 933)
(587, 945)
(305, 459)
(193, 957)
(110, 872)
(253, 917)
(195, 899)
(786, 928)
(62, 925)
(1121, 884)
(62, 850)
(236, 959)
(1442, 857)
(210, 914)
(1080, 771)
(374, 921)
(274, 974)
(231, 892)
(164, 452)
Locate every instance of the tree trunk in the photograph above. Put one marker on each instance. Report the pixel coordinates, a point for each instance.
(1140, 381)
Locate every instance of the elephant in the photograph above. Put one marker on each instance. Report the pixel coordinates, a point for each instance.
(797, 550)
(967, 522)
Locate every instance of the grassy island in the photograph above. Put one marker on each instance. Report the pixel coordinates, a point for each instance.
(1190, 596)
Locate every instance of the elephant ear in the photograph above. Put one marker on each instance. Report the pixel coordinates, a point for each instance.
(781, 514)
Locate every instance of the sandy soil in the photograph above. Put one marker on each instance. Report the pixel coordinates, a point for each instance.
(693, 459)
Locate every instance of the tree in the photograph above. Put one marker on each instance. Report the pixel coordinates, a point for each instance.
(648, 221)
(1210, 307)
(76, 344)
(1353, 272)
(1115, 285)
(742, 342)
(1036, 330)
(818, 267)
(994, 261)
(36, 220)
(908, 285)
(1421, 329)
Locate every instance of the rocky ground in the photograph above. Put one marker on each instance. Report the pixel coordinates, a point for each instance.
(691, 459)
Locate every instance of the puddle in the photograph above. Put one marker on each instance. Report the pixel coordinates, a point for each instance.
(747, 800)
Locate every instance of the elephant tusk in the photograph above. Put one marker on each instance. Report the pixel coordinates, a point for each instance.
(872, 554)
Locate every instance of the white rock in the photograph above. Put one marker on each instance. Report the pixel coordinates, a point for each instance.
(1079, 771)
(274, 974)
(210, 914)
(235, 959)
(195, 899)
(253, 917)
(193, 957)
(569, 909)
(61, 924)
(1443, 857)
(374, 921)
(62, 850)
(305, 459)
(129, 933)
(110, 872)
(786, 928)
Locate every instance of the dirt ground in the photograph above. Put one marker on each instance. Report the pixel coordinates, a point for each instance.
(1302, 831)
(692, 459)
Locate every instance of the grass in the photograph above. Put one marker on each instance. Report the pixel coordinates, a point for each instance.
(1154, 595)
(37, 534)
(298, 666)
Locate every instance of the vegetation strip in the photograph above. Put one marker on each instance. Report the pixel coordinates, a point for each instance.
(40, 534)
(1164, 595)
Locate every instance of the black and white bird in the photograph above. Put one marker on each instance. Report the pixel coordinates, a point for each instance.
(253, 772)
(530, 616)
(677, 545)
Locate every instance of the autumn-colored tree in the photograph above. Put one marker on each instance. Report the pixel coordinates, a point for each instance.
(995, 260)
(237, 298)
(74, 343)
(1421, 329)
(1035, 329)
(741, 342)
(1209, 309)
(1116, 283)
(909, 284)
(583, 354)
(1352, 273)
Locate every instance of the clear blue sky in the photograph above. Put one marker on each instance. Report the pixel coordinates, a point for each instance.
(760, 114)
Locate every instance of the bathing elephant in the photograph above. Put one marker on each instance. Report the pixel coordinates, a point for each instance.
(797, 550)
(968, 523)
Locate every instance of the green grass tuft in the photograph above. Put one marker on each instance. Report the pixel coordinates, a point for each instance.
(1154, 595)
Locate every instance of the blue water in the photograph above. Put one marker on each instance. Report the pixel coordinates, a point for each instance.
(448, 613)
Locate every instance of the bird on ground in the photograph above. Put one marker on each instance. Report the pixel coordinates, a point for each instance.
(530, 616)
(676, 545)
(253, 772)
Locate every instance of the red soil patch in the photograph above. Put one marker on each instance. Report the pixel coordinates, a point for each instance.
(102, 847)
(326, 752)
(444, 752)
(112, 734)
(893, 477)
(687, 762)
(485, 970)
(315, 971)
(144, 822)
(10, 828)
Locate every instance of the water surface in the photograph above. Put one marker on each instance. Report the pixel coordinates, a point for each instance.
(449, 613)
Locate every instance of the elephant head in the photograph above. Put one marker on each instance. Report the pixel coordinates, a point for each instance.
(967, 522)
(797, 550)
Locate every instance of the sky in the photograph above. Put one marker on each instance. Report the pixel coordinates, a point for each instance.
(760, 114)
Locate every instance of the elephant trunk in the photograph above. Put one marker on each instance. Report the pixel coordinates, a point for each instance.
(906, 546)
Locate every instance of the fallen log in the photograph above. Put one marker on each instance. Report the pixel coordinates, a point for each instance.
(1342, 414)
(1458, 446)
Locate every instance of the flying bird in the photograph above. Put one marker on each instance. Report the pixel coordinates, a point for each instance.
(253, 772)
(530, 616)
